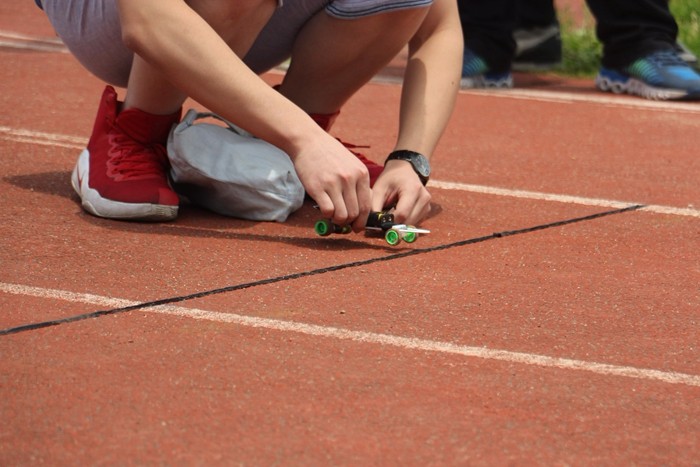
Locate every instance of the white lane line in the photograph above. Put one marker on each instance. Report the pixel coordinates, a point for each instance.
(77, 142)
(595, 97)
(569, 199)
(38, 137)
(563, 97)
(406, 343)
(32, 46)
(15, 40)
(29, 38)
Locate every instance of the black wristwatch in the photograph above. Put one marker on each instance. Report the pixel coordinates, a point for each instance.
(418, 161)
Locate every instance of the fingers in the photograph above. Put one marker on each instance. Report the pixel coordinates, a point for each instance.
(399, 186)
(412, 212)
(344, 198)
(351, 206)
(364, 200)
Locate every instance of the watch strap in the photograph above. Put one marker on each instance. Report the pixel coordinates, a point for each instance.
(411, 157)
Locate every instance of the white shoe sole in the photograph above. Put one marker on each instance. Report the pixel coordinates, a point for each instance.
(480, 82)
(636, 87)
(96, 205)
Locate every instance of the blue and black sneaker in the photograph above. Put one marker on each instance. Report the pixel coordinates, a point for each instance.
(662, 75)
(476, 74)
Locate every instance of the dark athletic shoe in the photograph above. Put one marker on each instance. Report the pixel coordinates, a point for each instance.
(661, 75)
(477, 75)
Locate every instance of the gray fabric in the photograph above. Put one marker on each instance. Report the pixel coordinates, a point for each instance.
(231, 172)
(92, 32)
(274, 44)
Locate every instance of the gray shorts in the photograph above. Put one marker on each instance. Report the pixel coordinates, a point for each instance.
(92, 32)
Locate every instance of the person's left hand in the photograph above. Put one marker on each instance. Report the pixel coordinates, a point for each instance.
(399, 185)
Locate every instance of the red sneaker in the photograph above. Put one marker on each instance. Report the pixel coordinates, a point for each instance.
(123, 172)
(325, 121)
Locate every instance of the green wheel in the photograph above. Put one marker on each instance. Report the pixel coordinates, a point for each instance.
(323, 227)
(409, 237)
(392, 237)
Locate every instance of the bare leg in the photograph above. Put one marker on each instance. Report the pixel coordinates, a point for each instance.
(238, 23)
(150, 91)
(333, 58)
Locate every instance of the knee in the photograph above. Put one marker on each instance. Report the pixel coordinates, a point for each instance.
(140, 25)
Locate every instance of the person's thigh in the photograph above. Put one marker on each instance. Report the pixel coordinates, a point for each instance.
(274, 44)
(92, 32)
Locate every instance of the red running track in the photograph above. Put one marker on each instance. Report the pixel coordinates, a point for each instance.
(551, 317)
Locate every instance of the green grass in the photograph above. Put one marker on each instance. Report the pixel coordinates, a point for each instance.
(581, 51)
(687, 14)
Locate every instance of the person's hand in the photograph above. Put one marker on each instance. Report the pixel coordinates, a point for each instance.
(336, 180)
(400, 186)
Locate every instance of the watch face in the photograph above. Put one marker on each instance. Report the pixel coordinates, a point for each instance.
(422, 166)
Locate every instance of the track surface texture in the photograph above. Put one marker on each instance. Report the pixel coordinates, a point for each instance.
(551, 317)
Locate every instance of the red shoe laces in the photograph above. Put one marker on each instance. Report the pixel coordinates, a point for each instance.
(130, 160)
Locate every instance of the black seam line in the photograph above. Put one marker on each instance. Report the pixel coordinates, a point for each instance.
(313, 272)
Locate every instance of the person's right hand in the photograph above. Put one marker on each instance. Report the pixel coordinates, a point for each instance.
(336, 180)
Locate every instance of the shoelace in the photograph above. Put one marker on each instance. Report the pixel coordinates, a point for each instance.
(130, 160)
(666, 58)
